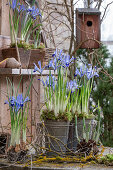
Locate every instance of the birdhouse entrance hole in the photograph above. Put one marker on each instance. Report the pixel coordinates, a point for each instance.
(89, 23)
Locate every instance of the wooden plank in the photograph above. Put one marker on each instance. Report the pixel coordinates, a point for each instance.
(42, 94)
(35, 108)
(26, 82)
(9, 71)
(4, 109)
(5, 71)
(17, 87)
(1, 58)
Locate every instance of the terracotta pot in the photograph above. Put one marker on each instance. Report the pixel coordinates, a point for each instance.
(27, 57)
(24, 55)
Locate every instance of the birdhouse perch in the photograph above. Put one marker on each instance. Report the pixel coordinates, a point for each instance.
(88, 27)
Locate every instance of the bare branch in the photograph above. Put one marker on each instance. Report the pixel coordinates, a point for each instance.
(106, 10)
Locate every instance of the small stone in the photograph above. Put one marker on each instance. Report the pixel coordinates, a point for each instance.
(12, 63)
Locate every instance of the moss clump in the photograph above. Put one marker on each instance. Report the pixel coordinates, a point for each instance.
(49, 115)
(41, 46)
(107, 159)
(22, 45)
(27, 46)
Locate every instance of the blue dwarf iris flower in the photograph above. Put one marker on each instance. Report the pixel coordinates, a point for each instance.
(91, 72)
(42, 81)
(20, 100)
(34, 12)
(88, 72)
(75, 85)
(17, 103)
(58, 55)
(66, 61)
(95, 72)
(53, 64)
(13, 4)
(40, 69)
(11, 102)
(55, 53)
(72, 85)
(62, 59)
(80, 72)
(49, 82)
(21, 7)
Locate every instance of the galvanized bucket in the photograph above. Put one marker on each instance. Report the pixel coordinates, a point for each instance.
(56, 136)
(72, 139)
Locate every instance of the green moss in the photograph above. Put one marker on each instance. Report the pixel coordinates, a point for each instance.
(27, 46)
(107, 158)
(49, 115)
(89, 116)
(21, 45)
(41, 46)
(58, 158)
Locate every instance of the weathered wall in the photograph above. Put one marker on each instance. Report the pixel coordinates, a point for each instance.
(56, 26)
(34, 109)
(5, 30)
(36, 93)
(4, 43)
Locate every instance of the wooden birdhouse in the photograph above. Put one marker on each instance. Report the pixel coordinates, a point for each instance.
(88, 27)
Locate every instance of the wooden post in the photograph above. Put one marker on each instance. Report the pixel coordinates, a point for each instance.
(4, 18)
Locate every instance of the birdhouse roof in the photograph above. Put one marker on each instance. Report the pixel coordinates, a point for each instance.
(89, 11)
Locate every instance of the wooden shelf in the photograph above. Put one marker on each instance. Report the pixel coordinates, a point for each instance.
(9, 71)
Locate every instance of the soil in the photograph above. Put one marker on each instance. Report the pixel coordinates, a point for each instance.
(14, 156)
(87, 147)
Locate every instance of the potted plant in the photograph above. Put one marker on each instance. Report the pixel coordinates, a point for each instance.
(19, 108)
(80, 103)
(25, 23)
(88, 144)
(57, 90)
(65, 99)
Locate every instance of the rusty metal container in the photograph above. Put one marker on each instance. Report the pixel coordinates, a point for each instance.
(88, 27)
